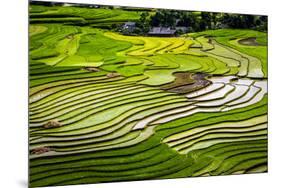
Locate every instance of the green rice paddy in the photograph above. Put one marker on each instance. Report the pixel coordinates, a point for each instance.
(123, 108)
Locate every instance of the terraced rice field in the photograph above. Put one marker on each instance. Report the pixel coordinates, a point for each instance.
(106, 107)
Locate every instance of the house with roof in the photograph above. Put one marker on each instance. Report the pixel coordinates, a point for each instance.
(162, 31)
(129, 26)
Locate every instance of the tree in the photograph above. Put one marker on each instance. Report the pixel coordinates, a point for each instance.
(214, 20)
(202, 25)
(165, 18)
(206, 20)
(156, 19)
(249, 20)
(143, 24)
(187, 20)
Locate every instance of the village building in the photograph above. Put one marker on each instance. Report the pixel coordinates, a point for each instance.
(129, 26)
(162, 31)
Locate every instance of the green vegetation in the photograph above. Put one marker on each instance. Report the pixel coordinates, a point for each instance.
(106, 107)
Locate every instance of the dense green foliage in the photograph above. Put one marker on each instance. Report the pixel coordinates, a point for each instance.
(199, 21)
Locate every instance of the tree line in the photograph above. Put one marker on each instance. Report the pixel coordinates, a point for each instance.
(199, 21)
